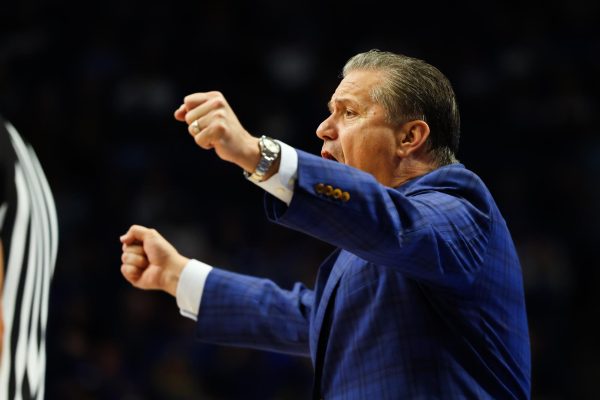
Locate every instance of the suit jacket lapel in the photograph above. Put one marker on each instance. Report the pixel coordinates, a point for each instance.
(329, 276)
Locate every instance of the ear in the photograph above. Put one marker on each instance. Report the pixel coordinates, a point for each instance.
(411, 137)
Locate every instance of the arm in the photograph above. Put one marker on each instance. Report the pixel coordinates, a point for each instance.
(236, 309)
(245, 311)
(436, 230)
(429, 234)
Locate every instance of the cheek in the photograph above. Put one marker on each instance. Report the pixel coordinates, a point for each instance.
(356, 151)
(350, 148)
(368, 152)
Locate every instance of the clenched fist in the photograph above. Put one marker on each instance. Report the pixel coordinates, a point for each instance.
(214, 125)
(150, 261)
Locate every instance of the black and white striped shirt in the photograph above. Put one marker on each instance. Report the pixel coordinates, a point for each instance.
(29, 235)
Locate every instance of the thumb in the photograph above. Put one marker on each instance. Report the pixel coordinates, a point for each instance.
(136, 233)
(180, 113)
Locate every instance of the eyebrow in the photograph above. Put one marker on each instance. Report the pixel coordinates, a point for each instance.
(342, 100)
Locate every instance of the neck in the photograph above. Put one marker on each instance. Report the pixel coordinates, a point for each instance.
(410, 168)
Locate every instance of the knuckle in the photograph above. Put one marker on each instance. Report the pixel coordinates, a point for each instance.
(189, 98)
(219, 128)
(199, 140)
(219, 102)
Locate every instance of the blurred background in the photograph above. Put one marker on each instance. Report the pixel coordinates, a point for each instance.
(93, 86)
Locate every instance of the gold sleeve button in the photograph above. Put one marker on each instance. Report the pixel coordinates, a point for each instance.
(319, 188)
(345, 196)
(337, 194)
(328, 190)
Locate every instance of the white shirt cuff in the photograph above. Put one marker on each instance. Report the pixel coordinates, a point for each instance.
(190, 288)
(281, 184)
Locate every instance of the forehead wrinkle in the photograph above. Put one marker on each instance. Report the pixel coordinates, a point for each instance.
(350, 91)
(346, 87)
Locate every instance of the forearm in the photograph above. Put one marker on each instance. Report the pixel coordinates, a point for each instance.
(245, 311)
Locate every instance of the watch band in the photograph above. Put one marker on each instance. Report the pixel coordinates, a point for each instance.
(269, 152)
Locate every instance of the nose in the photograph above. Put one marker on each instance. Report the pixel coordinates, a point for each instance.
(327, 129)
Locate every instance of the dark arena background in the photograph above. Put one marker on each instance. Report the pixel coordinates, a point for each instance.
(93, 87)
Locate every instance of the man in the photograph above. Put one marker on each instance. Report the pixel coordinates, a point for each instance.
(423, 297)
(28, 247)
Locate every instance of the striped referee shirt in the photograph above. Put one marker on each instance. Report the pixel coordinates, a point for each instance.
(29, 236)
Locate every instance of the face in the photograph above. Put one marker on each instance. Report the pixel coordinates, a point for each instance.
(356, 132)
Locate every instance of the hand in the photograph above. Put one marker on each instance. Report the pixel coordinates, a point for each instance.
(214, 125)
(149, 261)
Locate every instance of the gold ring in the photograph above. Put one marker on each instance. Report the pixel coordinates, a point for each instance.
(195, 127)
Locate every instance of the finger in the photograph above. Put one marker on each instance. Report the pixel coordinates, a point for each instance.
(131, 273)
(192, 101)
(135, 248)
(195, 99)
(203, 139)
(194, 128)
(180, 113)
(212, 124)
(213, 102)
(135, 260)
(136, 233)
(202, 142)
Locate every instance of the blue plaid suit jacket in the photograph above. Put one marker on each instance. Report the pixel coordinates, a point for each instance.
(422, 299)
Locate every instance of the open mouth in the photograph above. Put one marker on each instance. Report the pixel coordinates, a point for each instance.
(328, 156)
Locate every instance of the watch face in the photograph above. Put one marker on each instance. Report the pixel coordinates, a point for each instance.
(271, 146)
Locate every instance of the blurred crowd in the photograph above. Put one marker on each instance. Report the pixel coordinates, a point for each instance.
(94, 86)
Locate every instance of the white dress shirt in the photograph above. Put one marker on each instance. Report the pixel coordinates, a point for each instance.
(194, 274)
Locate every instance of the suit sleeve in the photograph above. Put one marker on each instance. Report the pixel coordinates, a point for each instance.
(438, 234)
(244, 311)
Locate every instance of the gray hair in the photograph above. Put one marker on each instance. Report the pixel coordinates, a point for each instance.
(412, 89)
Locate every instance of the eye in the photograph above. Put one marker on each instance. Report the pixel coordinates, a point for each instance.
(349, 113)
